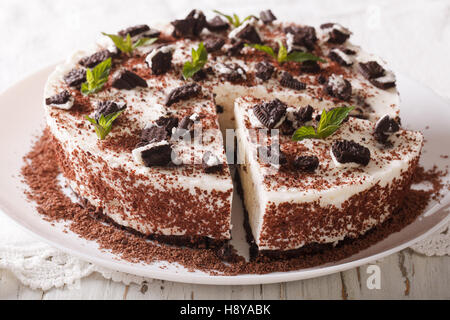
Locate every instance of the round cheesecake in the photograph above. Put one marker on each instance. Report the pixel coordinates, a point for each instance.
(160, 167)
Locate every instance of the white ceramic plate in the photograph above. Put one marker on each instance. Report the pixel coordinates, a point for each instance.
(22, 118)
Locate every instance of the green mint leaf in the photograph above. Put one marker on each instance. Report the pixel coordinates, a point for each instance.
(144, 41)
(297, 56)
(96, 77)
(304, 133)
(229, 18)
(104, 125)
(234, 20)
(282, 53)
(237, 22)
(199, 59)
(329, 123)
(263, 48)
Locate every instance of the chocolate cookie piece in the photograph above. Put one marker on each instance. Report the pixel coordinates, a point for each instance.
(346, 151)
(160, 60)
(310, 67)
(306, 163)
(232, 72)
(60, 98)
(385, 82)
(219, 109)
(264, 70)
(336, 33)
(95, 59)
(301, 37)
(153, 134)
(191, 26)
(134, 30)
(371, 70)
(249, 33)
(183, 93)
(126, 79)
(272, 155)
(75, 77)
(211, 163)
(271, 114)
(168, 123)
(338, 87)
(108, 107)
(213, 44)
(295, 119)
(217, 24)
(267, 16)
(288, 81)
(340, 57)
(236, 48)
(385, 127)
(159, 155)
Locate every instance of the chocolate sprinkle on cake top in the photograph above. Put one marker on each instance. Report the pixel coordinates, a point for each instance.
(125, 79)
(271, 114)
(346, 151)
(183, 93)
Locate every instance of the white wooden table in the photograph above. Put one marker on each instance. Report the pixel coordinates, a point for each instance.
(394, 29)
(406, 275)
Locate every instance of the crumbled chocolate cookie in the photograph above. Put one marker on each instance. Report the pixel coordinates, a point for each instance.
(191, 26)
(219, 109)
(217, 24)
(385, 82)
(232, 72)
(153, 134)
(183, 93)
(346, 151)
(127, 80)
(340, 57)
(93, 60)
(159, 155)
(271, 114)
(200, 75)
(272, 155)
(267, 16)
(288, 81)
(385, 127)
(60, 98)
(264, 70)
(338, 87)
(301, 37)
(168, 123)
(213, 44)
(160, 60)
(211, 163)
(108, 107)
(306, 163)
(75, 77)
(141, 29)
(249, 33)
(336, 33)
(371, 70)
(295, 119)
(310, 67)
(236, 48)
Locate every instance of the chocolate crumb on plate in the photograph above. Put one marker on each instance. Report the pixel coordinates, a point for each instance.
(183, 93)
(93, 60)
(264, 70)
(60, 98)
(270, 114)
(75, 77)
(217, 24)
(126, 79)
(306, 163)
(267, 16)
(211, 163)
(346, 151)
(288, 81)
